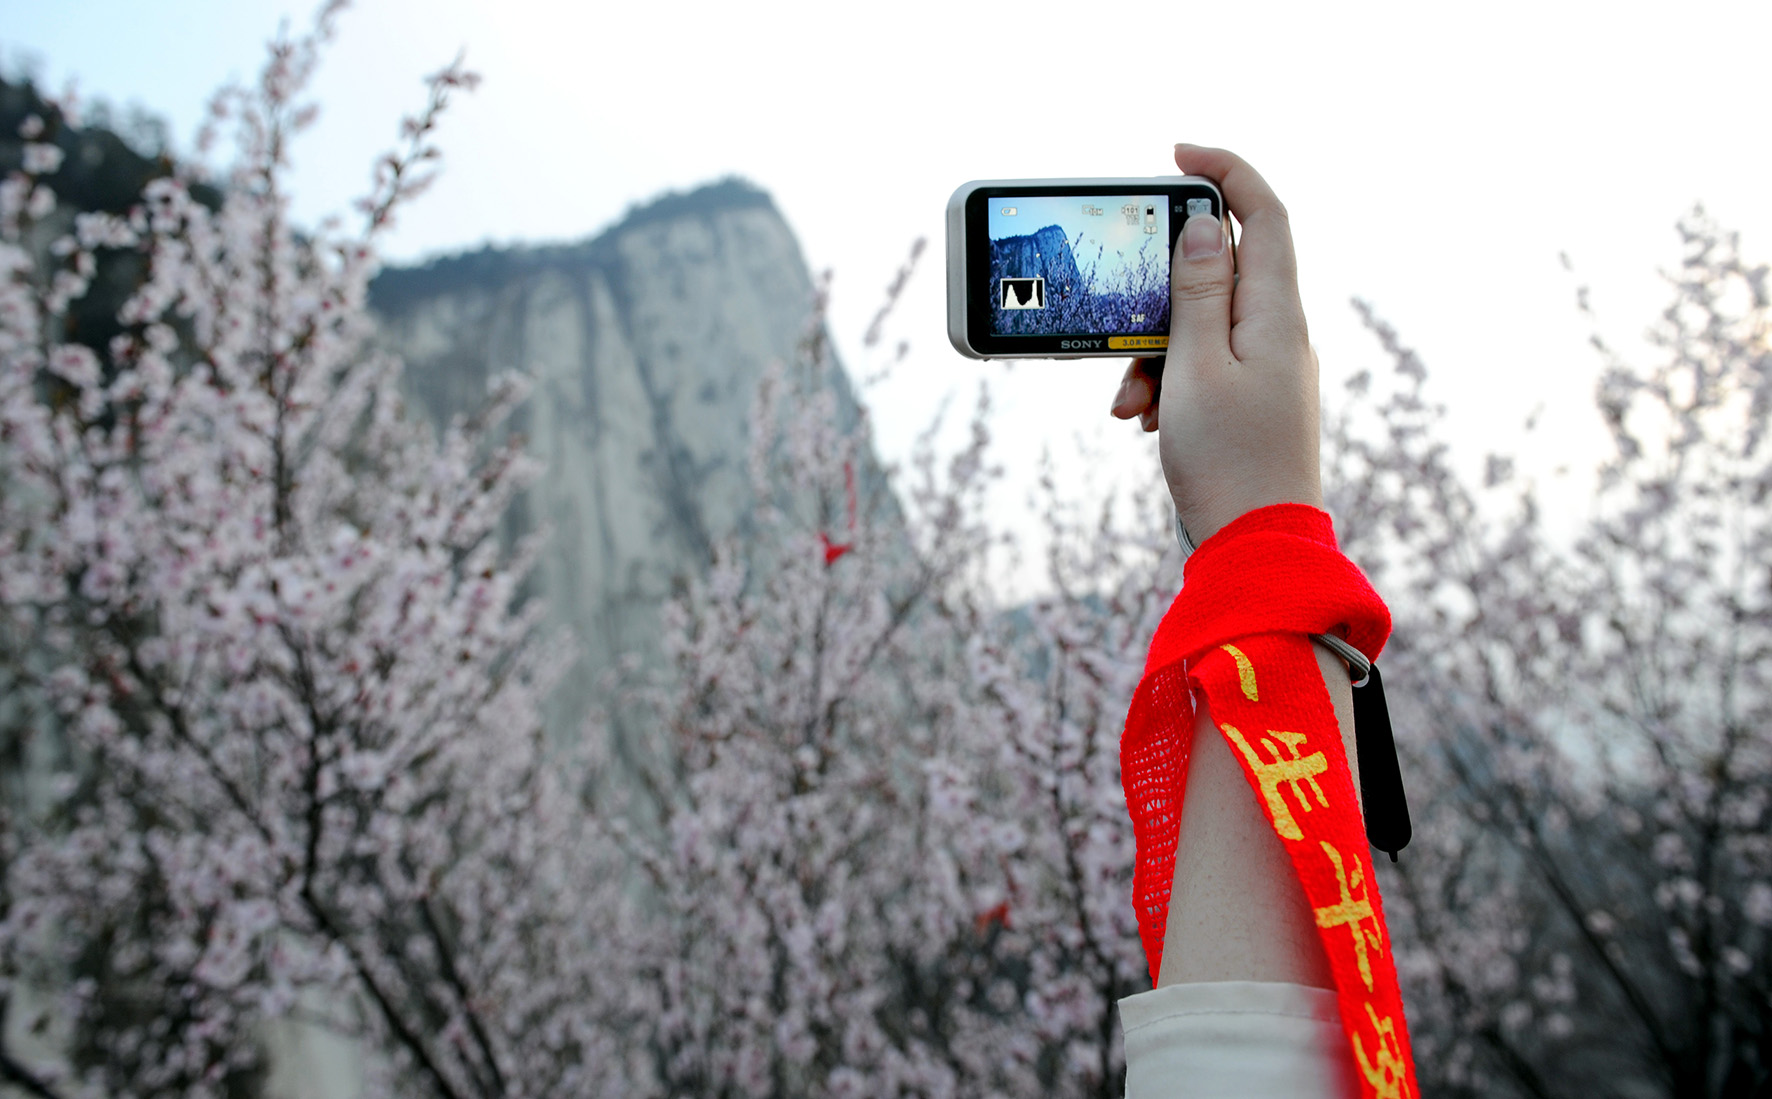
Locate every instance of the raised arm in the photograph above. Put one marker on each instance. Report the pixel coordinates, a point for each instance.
(1265, 934)
(1236, 407)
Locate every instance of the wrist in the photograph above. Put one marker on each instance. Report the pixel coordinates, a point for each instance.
(1202, 522)
(1275, 569)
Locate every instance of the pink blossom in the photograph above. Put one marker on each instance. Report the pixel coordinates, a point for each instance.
(41, 159)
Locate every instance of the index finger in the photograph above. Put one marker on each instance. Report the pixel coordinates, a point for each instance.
(1139, 388)
(1267, 267)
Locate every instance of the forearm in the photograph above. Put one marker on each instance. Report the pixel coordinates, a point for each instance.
(1237, 911)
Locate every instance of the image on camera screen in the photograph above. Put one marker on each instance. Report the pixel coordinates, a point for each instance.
(1090, 264)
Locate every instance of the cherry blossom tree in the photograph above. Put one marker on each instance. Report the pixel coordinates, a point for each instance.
(270, 693)
(1059, 671)
(884, 845)
(1588, 902)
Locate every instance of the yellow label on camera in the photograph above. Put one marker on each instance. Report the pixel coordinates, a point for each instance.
(1137, 343)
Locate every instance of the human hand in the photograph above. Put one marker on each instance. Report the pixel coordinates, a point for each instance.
(1235, 401)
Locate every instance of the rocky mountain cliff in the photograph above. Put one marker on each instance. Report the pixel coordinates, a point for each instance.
(1044, 253)
(645, 345)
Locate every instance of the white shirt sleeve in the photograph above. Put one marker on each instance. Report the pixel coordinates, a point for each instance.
(1236, 1040)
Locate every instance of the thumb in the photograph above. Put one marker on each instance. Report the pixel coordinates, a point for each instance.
(1201, 281)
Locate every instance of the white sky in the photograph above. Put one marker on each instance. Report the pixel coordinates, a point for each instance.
(1436, 158)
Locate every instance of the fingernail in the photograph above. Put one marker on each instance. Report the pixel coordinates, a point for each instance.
(1201, 237)
(1120, 397)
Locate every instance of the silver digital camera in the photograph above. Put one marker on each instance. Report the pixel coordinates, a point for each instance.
(1067, 268)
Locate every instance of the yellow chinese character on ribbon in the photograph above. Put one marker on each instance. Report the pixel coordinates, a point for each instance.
(1294, 771)
(1385, 1070)
(1352, 912)
(1245, 673)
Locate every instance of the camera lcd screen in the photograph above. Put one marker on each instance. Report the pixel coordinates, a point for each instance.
(1063, 265)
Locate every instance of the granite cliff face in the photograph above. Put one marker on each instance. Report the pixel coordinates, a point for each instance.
(645, 345)
(1044, 253)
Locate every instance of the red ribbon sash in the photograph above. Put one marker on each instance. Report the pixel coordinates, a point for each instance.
(1236, 633)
